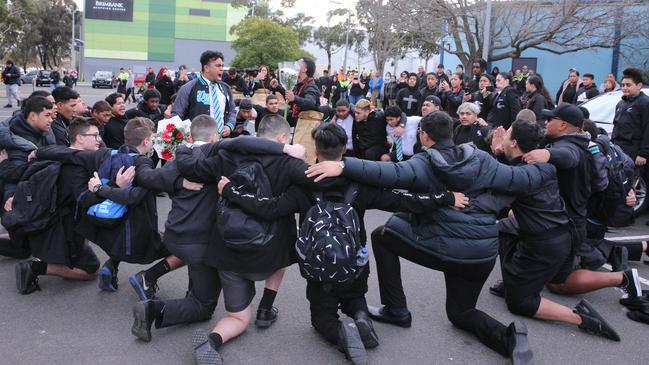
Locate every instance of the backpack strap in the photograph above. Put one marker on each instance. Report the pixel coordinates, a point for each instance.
(351, 193)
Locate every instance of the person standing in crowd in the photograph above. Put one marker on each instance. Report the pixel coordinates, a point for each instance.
(505, 104)
(207, 94)
(535, 100)
(612, 84)
(54, 78)
(166, 87)
(478, 68)
(122, 80)
(325, 82)
(451, 95)
(68, 80)
(234, 80)
(66, 101)
(305, 95)
(409, 98)
(520, 78)
(150, 79)
(182, 78)
(11, 77)
(470, 129)
(588, 89)
(75, 76)
(495, 71)
(357, 89)
(483, 98)
(459, 70)
(390, 90)
(114, 130)
(441, 75)
(568, 91)
(402, 83)
(375, 86)
(150, 107)
(421, 76)
(130, 86)
(101, 112)
(430, 87)
(345, 119)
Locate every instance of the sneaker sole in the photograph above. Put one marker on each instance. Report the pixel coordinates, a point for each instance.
(368, 336)
(355, 350)
(636, 282)
(265, 323)
(522, 354)
(139, 290)
(105, 282)
(140, 328)
(20, 279)
(592, 312)
(208, 356)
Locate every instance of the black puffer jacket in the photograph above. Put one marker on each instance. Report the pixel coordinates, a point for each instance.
(467, 236)
(504, 108)
(631, 125)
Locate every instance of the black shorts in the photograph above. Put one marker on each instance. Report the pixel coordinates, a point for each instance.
(239, 289)
(85, 259)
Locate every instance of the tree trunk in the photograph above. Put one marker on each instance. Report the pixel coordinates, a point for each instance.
(328, 50)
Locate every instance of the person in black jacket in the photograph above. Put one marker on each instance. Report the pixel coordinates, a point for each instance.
(325, 299)
(114, 129)
(60, 250)
(305, 94)
(478, 68)
(535, 243)
(439, 239)
(588, 89)
(452, 95)
(234, 80)
(567, 150)
(430, 87)
(66, 101)
(54, 78)
(368, 132)
(166, 87)
(409, 98)
(535, 100)
(150, 107)
(631, 122)
(505, 105)
(483, 97)
(11, 79)
(471, 130)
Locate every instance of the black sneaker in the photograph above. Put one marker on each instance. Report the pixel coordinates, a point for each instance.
(593, 322)
(349, 342)
(107, 277)
(205, 354)
(383, 315)
(26, 281)
(18, 103)
(143, 288)
(619, 258)
(639, 303)
(366, 330)
(632, 287)
(266, 317)
(8, 106)
(143, 317)
(519, 348)
(498, 289)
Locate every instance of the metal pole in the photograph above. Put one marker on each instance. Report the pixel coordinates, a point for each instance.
(72, 52)
(346, 42)
(487, 33)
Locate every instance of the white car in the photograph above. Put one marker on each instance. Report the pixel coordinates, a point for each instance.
(602, 111)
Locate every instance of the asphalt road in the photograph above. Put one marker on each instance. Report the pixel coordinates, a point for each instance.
(76, 323)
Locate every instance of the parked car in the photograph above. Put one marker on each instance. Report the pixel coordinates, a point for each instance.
(43, 78)
(29, 77)
(602, 112)
(102, 79)
(139, 78)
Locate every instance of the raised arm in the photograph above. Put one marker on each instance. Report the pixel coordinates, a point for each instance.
(166, 179)
(395, 201)
(68, 155)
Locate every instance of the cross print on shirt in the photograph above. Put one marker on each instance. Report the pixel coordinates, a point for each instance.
(410, 100)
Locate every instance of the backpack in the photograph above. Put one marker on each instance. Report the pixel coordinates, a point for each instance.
(239, 230)
(609, 206)
(108, 214)
(34, 201)
(329, 240)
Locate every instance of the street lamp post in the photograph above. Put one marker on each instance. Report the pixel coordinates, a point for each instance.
(72, 48)
(487, 33)
(349, 18)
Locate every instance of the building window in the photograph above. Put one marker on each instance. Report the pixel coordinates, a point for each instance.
(199, 12)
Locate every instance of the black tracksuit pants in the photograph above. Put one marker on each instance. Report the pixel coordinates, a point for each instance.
(326, 299)
(596, 233)
(463, 285)
(199, 305)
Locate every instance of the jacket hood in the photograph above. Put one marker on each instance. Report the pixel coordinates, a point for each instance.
(8, 139)
(579, 139)
(459, 174)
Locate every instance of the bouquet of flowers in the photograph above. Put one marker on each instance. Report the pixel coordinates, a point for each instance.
(171, 133)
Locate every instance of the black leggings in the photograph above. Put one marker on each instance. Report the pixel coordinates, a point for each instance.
(463, 285)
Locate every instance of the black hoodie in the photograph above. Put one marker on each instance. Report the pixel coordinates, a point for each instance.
(409, 100)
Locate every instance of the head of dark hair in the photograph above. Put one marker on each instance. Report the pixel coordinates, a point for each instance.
(202, 128)
(330, 141)
(101, 106)
(393, 111)
(137, 130)
(575, 71)
(507, 76)
(460, 66)
(80, 126)
(528, 135)
(590, 127)
(590, 76)
(343, 102)
(585, 112)
(42, 93)
(271, 97)
(438, 125)
(310, 66)
(271, 125)
(112, 98)
(209, 56)
(412, 74)
(151, 94)
(232, 71)
(481, 62)
(36, 105)
(63, 94)
(441, 65)
(634, 74)
(536, 81)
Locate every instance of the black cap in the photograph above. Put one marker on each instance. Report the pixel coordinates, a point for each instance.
(245, 104)
(433, 99)
(567, 112)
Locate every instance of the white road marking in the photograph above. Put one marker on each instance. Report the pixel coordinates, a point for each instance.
(628, 238)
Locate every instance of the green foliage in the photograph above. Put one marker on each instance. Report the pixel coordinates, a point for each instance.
(265, 42)
(300, 22)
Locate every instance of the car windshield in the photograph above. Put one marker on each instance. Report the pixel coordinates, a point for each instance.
(45, 73)
(103, 74)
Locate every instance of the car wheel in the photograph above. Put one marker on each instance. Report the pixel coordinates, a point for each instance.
(641, 196)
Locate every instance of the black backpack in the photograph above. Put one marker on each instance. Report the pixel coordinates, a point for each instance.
(239, 230)
(329, 240)
(34, 202)
(609, 207)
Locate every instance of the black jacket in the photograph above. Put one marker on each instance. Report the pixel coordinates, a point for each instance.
(193, 100)
(590, 93)
(631, 125)
(237, 81)
(504, 108)
(370, 132)
(474, 133)
(325, 83)
(451, 101)
(114, 132)
(136, 239)
(142, 110)
(536, 103)
(569, 154)
(60, 129)
(307, 97)
(409, 100)
(55, 76)
(11, 75)
(166, 88)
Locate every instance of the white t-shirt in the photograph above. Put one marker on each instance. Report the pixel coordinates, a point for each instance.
(347, 124)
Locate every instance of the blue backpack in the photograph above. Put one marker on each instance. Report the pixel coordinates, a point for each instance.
(109, 214)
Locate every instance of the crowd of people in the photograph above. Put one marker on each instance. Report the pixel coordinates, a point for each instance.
(474, 168)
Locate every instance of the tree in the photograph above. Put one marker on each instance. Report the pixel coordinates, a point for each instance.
(558, 27)
(261, 9)
(12, 15)
(385, 38)
(265, 42)
(332, 38)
